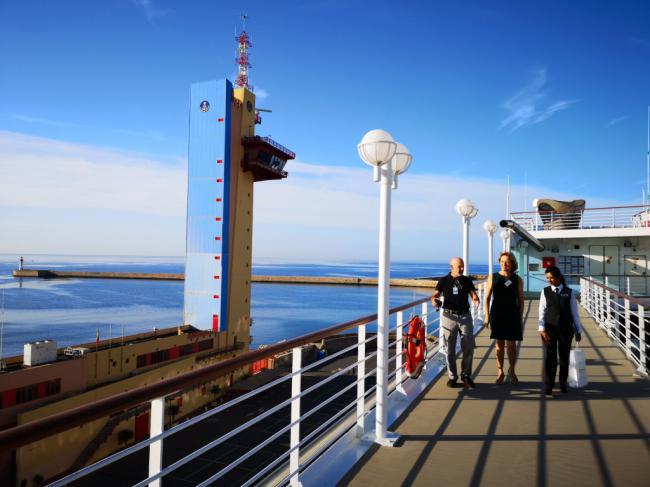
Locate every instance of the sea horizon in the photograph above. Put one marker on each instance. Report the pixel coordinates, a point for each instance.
(71, 310)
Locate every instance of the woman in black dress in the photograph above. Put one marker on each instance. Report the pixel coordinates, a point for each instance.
(505, 313)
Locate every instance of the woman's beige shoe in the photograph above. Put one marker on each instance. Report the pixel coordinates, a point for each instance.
(500, 376)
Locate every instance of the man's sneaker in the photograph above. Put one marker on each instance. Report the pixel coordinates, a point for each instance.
(563, 387)
(549, 392)
(452, 383)
(468, 382)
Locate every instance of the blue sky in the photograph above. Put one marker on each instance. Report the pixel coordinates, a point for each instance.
(553, 94)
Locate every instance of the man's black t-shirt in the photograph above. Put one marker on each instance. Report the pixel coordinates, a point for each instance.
(456, 291)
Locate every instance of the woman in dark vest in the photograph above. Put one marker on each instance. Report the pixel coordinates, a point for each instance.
(558, 321)
(505, 313)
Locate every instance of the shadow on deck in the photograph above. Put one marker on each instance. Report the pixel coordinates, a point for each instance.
(513, 434)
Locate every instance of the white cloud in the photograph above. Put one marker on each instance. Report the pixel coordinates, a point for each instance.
(332, 212)
(151, 11)
(61, 197)
(45, 173)
(530, 105)
(261, 93)
(641, 41)
(146, 134)
(616, 121)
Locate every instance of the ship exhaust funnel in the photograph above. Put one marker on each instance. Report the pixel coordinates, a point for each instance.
(519, 230)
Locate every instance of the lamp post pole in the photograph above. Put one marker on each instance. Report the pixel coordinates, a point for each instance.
(466, 244)
(467, 210)
(383, 294)
(389, 159)
(490, 227)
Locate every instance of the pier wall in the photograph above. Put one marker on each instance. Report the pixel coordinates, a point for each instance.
(351, 281)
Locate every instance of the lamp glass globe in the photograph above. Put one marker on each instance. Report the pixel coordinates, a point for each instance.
(377, 147)
(402, 159)
(464, 207)
(490, 226)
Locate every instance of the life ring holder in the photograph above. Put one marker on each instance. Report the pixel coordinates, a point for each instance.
(416, 350)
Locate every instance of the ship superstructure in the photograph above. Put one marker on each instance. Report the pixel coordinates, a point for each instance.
(610, 245)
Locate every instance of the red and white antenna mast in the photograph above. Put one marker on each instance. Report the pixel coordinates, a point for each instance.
(243, 43)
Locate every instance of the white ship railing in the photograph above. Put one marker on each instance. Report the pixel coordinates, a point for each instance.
(303, 450)
(635, 286)
(624, 318)
(637, 216)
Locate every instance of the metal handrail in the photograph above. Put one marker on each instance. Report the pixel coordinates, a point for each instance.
(298, 460)
(35, 430)
(604, 305)
(584, 209)
(615, 292)
(632, 216)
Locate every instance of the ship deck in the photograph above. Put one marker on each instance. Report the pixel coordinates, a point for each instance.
(505, 434)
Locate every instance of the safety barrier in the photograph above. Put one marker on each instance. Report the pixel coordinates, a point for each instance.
(637, 216)
(623, 317)
(304, 447)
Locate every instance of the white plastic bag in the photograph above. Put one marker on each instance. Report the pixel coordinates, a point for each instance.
(577, 368)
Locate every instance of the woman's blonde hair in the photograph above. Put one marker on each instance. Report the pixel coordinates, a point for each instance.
(511, 258)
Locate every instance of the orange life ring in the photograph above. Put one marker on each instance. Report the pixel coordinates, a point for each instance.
(415, 348)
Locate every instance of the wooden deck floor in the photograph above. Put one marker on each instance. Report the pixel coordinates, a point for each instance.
(513, 435)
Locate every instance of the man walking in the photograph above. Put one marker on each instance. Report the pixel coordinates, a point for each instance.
(456, 318)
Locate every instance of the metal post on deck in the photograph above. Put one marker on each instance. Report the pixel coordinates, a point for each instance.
(382, 436)
(361, 378)
(156, 427)
(389, 159)
(425, 322)
(592, 297)
(628, 328)
(294, 456)
(642, 370)
(608, 309)
(399, 353)
(600, 310)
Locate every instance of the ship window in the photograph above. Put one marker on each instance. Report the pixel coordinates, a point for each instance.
(572, 266)
(142, 360)
(52, 387)
(26, 394)
(159, 356)
(206, 344)
(187, 349)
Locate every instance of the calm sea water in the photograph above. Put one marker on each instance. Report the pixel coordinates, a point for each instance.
(71, 310)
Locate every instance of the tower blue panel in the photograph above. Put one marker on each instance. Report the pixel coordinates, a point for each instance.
(206, 279)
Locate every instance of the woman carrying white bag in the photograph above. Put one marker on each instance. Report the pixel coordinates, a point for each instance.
(558, 322)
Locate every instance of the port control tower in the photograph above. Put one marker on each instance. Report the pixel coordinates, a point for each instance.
(226, 159)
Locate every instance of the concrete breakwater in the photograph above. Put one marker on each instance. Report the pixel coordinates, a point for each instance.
(351, 281)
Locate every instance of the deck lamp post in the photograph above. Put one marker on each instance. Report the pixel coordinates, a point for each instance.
(388, 159)
(505, 236)
(490, 227)
(467, 210)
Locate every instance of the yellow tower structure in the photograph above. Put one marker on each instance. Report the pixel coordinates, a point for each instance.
(226, 158)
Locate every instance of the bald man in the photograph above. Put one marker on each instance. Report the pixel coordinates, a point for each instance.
(456, 289)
